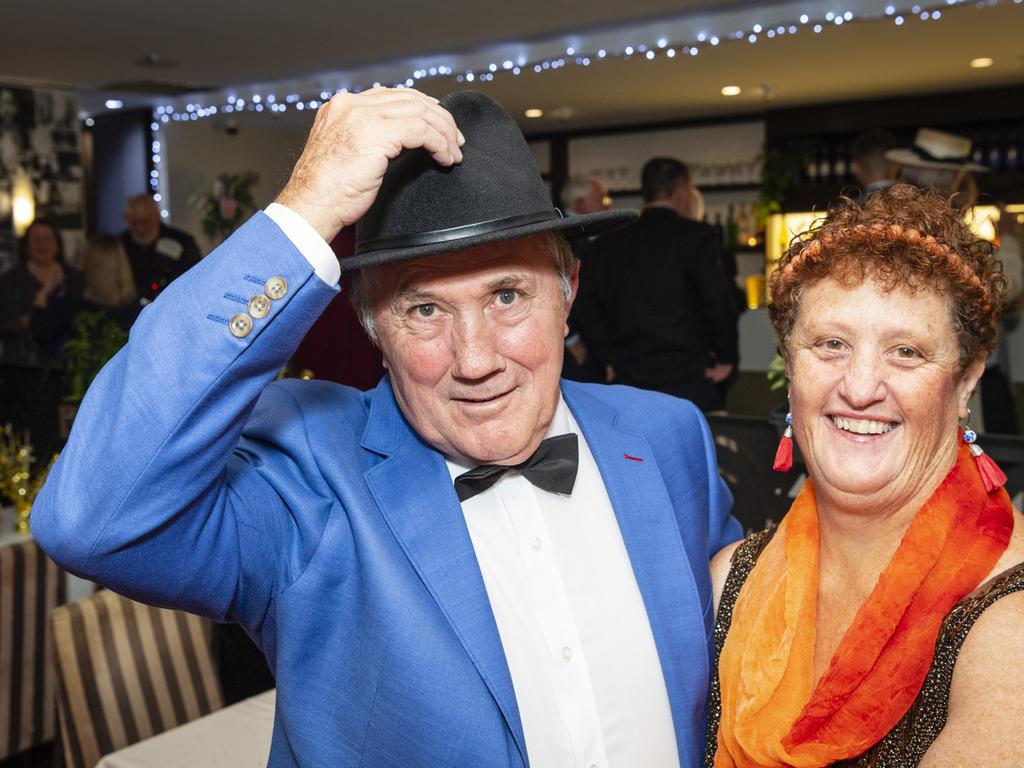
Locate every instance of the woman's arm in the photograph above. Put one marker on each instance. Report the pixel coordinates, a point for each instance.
(720, 564)
(985, 725)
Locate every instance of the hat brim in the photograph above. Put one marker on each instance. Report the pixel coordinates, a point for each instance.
(585, 225)
(907, 157)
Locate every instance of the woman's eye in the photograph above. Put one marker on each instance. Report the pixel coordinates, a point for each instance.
(426, 310)
(507, 297)
(906, 353)
(833, 344)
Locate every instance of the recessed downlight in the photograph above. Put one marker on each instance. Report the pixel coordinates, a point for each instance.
(731, 90)
(981, 62)
(534, 112)
(113, 103)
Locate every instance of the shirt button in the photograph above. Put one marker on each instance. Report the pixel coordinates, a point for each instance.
(276, 287)
(259, 305)
(567, 653)
(535, 544)
(240, 325)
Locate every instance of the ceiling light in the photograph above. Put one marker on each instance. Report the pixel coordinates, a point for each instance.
(114, 103)
(731, 90)
(534, 112)
(981, 63)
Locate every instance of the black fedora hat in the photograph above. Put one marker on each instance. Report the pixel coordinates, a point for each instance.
(495, 193)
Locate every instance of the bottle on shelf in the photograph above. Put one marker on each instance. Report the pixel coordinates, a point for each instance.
(730, 233)
(979, 155)
(744, 228)
(841, 165)
(824, 172)
(1012, 158)
(995, 155)
(719, 229)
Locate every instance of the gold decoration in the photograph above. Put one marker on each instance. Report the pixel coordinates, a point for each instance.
(16, 481)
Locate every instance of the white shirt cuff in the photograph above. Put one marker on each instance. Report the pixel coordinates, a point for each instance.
(308, 242)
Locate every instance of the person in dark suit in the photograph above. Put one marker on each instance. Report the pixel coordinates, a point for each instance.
(583, 194)
(158, 253)
(872, 169)
(473, 564)
(654, 302)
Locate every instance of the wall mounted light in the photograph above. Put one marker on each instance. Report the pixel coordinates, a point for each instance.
(23, 204)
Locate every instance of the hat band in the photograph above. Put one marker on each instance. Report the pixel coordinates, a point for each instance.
(457, 233)
(924, 154)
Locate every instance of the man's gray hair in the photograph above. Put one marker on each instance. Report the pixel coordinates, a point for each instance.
(363, 291)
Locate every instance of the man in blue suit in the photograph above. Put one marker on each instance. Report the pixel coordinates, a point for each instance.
(471, 565)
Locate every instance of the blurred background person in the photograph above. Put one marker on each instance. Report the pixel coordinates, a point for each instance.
(157, 252)
(656, 306)
(38, 298)
(108, 282)
(583, 194)
(869, 164)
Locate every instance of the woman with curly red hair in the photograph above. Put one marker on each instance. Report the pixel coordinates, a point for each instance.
(879, 624)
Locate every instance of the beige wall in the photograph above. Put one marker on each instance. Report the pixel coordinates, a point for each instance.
(197, 152)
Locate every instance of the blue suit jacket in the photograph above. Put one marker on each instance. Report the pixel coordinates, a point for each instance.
(322, 523)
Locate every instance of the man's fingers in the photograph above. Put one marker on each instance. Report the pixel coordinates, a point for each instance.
(416, 133)
(438, 117)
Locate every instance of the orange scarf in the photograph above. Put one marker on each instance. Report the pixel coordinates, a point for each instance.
(772, 713)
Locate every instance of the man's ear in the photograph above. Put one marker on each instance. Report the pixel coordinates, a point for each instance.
(574, 286)
(968, 383)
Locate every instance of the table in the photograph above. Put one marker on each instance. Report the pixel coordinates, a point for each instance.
(234, 737)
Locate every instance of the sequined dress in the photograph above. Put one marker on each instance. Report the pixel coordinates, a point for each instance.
(905, 745)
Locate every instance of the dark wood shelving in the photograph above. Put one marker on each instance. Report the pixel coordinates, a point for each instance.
(753, 187)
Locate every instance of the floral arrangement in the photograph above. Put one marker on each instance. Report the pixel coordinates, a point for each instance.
(16, 481)
(228, 204)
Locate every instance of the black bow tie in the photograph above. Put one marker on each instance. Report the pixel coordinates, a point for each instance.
(551, 467)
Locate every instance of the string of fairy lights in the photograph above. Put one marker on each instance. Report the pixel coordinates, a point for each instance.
(270, 102)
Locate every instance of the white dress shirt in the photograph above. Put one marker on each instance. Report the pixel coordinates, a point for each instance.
(570, 615)
(572, 622)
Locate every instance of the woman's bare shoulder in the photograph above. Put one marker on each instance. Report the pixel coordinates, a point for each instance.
(985, 722)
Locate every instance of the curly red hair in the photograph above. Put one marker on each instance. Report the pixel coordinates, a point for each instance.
(902, 238)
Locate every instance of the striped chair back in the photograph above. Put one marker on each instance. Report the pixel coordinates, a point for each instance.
(31, 586)
(127, 671)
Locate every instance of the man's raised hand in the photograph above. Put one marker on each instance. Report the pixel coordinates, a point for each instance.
(353, 137)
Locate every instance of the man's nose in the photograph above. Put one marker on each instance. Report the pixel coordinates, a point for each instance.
(476, 350)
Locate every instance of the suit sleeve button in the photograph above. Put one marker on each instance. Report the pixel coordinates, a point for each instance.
(259, 305)
(240, 325)
(276, 288)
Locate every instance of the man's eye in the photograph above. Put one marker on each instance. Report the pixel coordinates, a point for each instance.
(507, 297)
(426, 310)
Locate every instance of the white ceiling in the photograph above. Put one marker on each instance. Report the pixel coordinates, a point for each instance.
(314, 43)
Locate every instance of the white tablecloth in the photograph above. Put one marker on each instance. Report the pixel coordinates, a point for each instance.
(235, 737)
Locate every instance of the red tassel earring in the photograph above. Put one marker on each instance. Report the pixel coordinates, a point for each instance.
(784, 455)
(991, 475)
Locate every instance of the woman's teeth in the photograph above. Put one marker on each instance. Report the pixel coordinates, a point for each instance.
(863, 426)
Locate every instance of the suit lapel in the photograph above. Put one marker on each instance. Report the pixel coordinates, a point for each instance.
(650, 530)
(413, 489)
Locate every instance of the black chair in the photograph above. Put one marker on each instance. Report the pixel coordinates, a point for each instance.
(746, 450)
